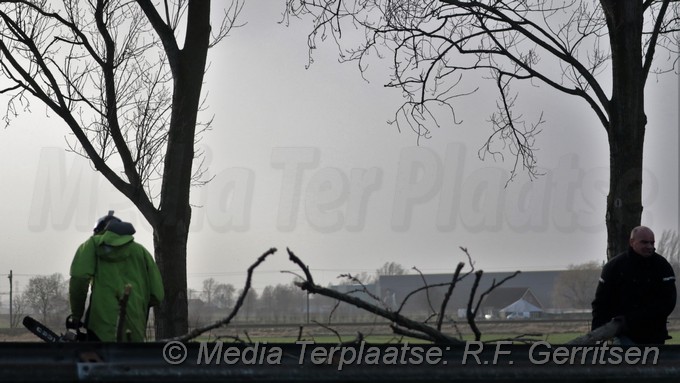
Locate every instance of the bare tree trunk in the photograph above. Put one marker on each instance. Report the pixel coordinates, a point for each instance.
(626, 124)
(172, 227)
(172, 316)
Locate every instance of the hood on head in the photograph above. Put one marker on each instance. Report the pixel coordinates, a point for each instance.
(108, 243)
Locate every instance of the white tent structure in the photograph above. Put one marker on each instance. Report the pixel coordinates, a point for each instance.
(512, 303)
(520, 309)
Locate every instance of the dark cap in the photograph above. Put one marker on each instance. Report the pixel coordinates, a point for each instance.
(104, 221)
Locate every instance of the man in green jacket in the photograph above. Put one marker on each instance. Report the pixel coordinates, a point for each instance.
(109, 261)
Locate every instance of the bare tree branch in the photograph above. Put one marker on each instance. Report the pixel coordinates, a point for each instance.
(472, 312)
(239, 302)
(447, 297)
(310, 286)
(651, 48)
(401, 324)
(433, 43)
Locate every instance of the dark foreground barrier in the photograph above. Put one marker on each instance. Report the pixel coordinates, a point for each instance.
(309, 362)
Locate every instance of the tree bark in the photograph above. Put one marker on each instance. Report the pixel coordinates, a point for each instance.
(627, 122)
(172, 316)
(172, 227)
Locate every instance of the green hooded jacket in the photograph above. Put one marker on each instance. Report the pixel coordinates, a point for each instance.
(110, 261)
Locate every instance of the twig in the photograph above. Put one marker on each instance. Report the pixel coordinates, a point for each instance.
(235, 338)
(363, 289)
(427, 293)
(299, 337)
(336, 305)
(305, 268)
(335, 332)
(197, 332)
(122, 314)
(413, 292)
(469, 257)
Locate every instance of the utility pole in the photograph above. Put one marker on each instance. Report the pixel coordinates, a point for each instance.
(11, 318)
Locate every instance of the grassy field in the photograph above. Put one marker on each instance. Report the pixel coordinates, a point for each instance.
(557, 338)
(554, 332)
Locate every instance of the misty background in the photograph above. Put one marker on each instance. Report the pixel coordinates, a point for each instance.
(305, 159)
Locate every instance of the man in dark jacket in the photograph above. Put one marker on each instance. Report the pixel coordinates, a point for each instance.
(638, 287)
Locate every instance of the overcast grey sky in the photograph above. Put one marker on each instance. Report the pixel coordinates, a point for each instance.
(304, 158)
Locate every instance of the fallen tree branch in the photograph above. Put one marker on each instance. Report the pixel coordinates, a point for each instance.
(411, 334)
(308, 285)
(447, 297)
(223, 322)
(605, 332)
(470, 314)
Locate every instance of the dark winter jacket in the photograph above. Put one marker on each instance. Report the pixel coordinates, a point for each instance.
(639, 289)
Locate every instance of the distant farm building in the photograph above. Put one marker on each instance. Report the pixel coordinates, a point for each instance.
(529, 293)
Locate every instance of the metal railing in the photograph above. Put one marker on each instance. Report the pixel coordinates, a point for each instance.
(205, 362)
